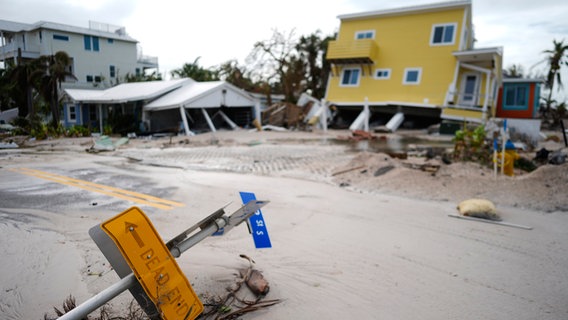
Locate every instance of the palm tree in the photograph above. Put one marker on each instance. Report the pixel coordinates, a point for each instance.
(195, 72)
(50, 71)
(556, 58)
(19, 85)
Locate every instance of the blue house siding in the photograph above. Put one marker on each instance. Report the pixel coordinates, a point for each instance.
(536, 101)
(72, 115)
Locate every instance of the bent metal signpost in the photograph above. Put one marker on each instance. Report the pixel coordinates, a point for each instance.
(146, 265)
(153, 265)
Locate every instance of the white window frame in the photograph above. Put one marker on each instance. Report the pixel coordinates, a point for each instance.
(419, 78)
(444, 25)
(341, 84)
(382, 77)
(364, 32)
(72, 115)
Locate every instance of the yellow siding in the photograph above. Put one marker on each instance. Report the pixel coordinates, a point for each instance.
(462, 113)
(403, 42)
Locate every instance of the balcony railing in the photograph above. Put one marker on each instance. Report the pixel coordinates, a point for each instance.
(10, 50)
(468, 101)
(148, 61)
(356, 51)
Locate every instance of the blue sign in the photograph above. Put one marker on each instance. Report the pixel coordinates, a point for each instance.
(256, 222)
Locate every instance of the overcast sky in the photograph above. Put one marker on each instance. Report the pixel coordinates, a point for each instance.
(179, 31)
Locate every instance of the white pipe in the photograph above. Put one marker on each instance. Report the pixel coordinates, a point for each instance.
(100, 299)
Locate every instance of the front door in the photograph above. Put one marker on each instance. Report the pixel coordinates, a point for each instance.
(469, 89)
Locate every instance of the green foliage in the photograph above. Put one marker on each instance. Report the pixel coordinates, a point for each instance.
(154, 76)
(78, 131)
(107, 130)
(470, 145)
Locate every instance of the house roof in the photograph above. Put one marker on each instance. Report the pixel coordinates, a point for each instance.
(127, 92)
(118, 33)
(211, 94)
(407, 10)
(522, 80)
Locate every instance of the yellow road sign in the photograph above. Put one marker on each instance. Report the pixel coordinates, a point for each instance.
(153, 264)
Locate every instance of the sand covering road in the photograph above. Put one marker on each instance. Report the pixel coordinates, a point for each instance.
(366, 243)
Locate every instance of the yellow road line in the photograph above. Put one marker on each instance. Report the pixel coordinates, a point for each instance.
(99, 188)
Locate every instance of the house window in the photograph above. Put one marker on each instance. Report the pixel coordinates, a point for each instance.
(60, 37)
(516, 97)
(350, 77)
(97, 79)
(91, 43)
(366, 34)
(111, 41)
(137, 72)
(87, 42)
(443, 34)
(72, 113)
(95, 43)
(89, 78)
(112, 71)
(382, 74)
(412, 76)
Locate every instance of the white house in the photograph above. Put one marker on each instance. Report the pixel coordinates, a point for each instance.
(163, 106)
(101, 55)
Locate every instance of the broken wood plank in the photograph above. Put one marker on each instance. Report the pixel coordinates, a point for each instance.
(347, 170)
(491, 221)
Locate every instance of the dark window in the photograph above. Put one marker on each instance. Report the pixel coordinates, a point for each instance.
(93, 113)
(89, 78)
(516, 96)
(97, 78)
(95, 43)
(72, 113)
(87, 41)
(412, 76)
(443, 34)
(110, 41)
(350, 77)
(112, 71)
(60, 37)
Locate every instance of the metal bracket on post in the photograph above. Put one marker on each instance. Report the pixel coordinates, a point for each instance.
(176, 247)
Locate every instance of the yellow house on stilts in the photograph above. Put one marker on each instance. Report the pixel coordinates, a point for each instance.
(419, 61)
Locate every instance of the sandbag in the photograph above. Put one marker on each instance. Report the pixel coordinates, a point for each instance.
(479, 208)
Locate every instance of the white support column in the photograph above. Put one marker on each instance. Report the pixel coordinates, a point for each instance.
(228, 120)
(101, 118)
(257, 112)
(208, 119)
(486, 100)
(324, 114)
(184, 120)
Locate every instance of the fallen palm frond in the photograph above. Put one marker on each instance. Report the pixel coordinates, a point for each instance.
(231, 305)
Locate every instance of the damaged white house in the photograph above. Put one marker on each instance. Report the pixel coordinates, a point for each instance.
(172, 106)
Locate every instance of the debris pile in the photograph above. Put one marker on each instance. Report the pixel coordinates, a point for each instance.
(285, 114)
(232, 305)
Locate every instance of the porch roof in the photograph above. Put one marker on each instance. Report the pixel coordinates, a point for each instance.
(479, 56)
(127, 92)
(210, 94)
